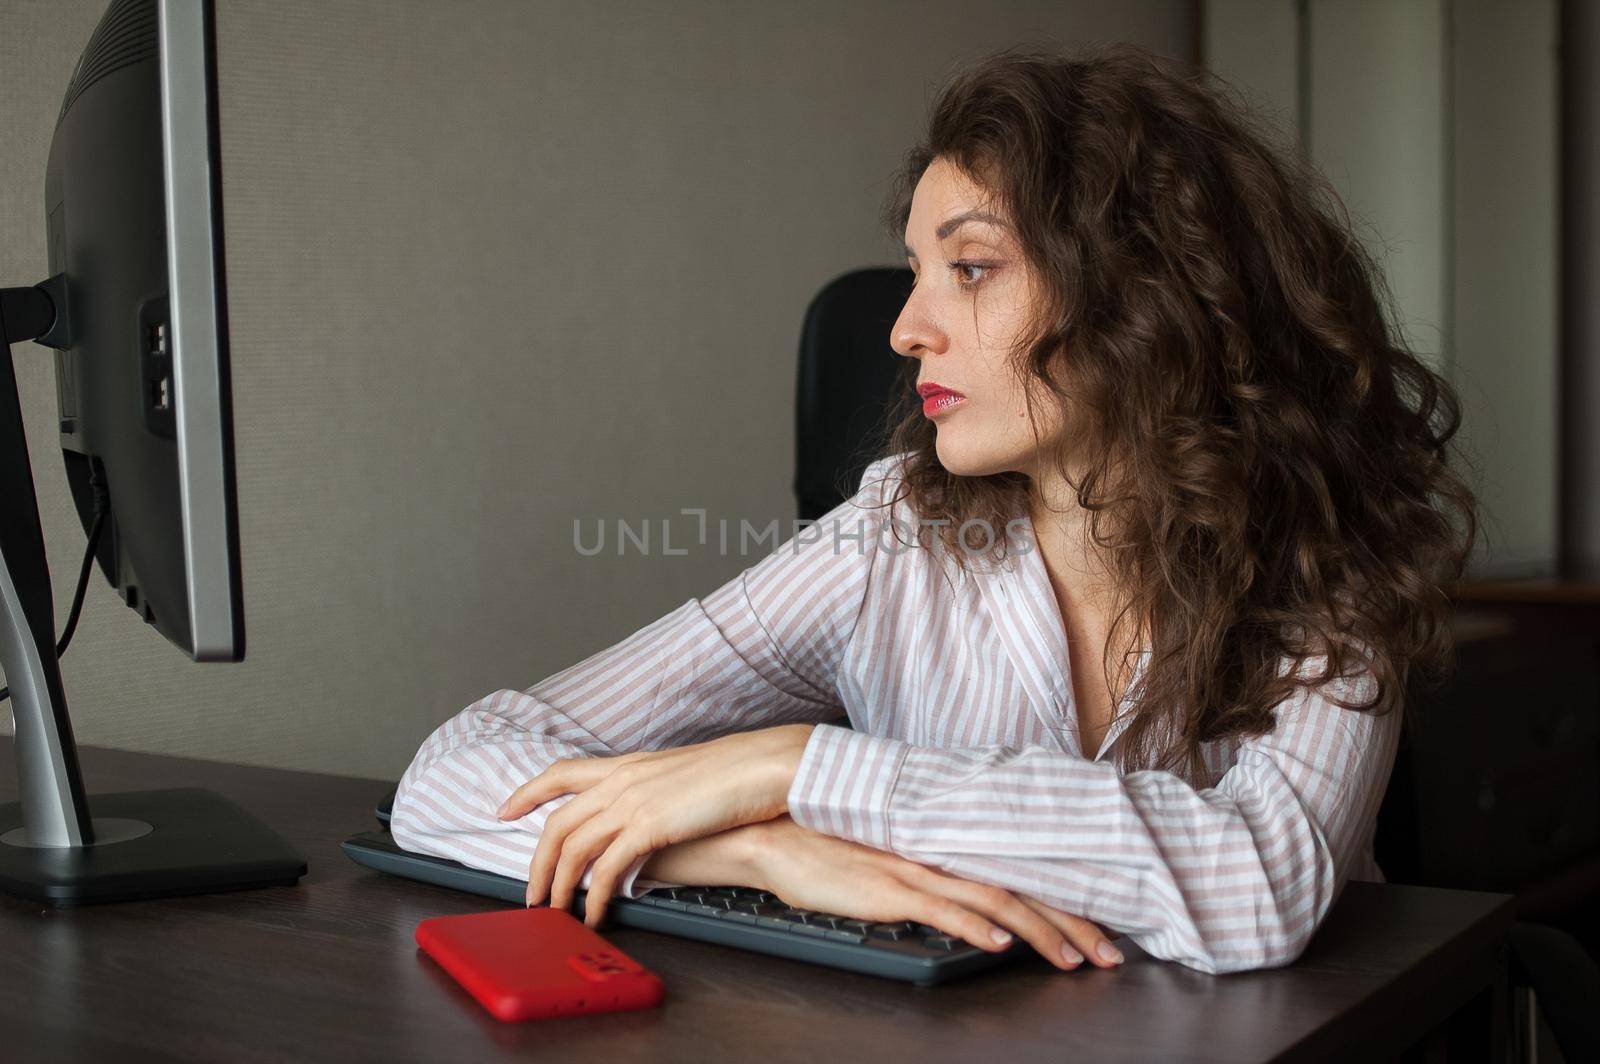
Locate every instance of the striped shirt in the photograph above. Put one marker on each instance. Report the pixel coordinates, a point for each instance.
(963, 751)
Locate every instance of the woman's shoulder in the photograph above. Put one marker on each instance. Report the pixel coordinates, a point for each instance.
(885, 506)
(883, 476)
(879, 495)
(876, 526)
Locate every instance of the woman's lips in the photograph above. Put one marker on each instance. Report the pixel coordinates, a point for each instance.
(937, 399)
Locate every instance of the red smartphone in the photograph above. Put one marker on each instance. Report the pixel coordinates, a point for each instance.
(531, 964)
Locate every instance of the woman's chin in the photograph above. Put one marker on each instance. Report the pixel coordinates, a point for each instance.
(965, 457)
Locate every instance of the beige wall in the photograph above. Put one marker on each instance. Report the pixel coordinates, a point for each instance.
(493, 267)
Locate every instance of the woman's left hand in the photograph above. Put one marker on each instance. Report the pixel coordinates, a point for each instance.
(634, 804)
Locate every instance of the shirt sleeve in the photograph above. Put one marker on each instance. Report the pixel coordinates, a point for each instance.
(760, 651)
(1224, 878)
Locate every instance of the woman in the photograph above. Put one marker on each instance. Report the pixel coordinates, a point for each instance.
(1181, 511)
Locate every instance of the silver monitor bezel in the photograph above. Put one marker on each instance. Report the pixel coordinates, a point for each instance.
(197, 331)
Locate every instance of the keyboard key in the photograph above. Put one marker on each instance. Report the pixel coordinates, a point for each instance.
(859, 926)
(735, 916)
(928, 929)
(891, 932)
(774, 922)
(940, 942)
(847, 936)
(751, 907)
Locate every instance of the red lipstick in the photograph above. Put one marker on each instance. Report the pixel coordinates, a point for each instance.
(937, 399)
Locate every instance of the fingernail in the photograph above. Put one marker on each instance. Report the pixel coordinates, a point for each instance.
(1070, 955)
(501, 812)
(1109, 953)
(1000, 937)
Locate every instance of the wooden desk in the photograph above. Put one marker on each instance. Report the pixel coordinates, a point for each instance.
(328, 971)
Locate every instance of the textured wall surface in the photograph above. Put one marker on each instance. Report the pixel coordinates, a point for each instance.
(494, 267)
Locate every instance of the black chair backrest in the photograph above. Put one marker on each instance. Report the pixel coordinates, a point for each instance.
(848, 374)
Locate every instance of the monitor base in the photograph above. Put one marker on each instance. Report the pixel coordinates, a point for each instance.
(199, 843)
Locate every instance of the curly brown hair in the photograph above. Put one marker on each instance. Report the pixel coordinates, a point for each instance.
(1267, 474)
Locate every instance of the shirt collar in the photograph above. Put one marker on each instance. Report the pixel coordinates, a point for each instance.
(1023, 603)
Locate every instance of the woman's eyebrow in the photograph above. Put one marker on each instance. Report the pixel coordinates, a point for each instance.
(950, 225)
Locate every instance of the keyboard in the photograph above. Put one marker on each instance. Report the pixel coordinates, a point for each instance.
(741, 917)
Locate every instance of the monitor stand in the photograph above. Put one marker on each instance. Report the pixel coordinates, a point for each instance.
(140, 845)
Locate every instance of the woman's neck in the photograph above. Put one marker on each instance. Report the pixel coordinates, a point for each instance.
(1076, 564)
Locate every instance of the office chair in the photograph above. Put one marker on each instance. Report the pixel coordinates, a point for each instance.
(848, 375)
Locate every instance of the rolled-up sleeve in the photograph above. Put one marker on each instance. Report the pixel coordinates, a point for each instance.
(760, 651)
(1224, 878)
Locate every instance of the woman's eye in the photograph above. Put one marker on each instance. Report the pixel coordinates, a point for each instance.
(968, 274)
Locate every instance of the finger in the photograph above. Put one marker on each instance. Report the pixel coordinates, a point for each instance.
(952, 918)
(557, 826)
(607, 873)
(995, 908)
(1085, 935)
(1064, 941)
(582, 846)
(561, 777)
(1008, 910)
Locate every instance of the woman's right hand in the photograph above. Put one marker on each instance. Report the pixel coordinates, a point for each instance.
(815, 871)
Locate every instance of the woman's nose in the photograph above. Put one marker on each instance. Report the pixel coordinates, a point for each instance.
(914, 333)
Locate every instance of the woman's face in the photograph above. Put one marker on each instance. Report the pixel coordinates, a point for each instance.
(973, 297)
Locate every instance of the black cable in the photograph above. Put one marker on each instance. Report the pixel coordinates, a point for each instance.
(83, 584)
(77, 596)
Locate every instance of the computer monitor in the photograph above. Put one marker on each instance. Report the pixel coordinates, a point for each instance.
(135, 309)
